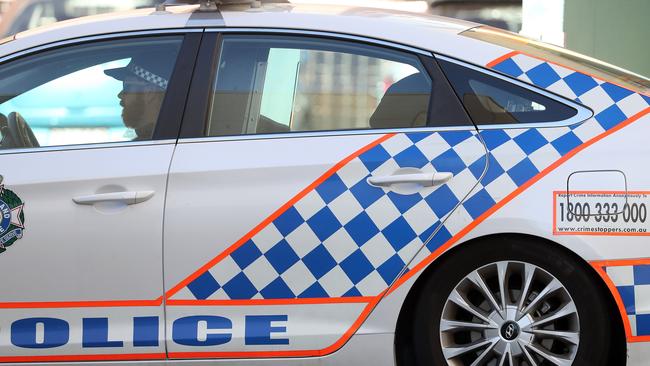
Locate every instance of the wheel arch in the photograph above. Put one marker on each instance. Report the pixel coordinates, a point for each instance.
(403, 334)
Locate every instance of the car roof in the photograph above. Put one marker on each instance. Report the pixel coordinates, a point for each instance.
(427, 32)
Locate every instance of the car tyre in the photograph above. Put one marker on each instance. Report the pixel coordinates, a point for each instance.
(444, 332)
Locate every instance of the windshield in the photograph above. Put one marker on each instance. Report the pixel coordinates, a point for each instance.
(564, 57)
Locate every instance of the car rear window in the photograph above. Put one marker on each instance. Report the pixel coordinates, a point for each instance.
(564, 57)
(491, 100)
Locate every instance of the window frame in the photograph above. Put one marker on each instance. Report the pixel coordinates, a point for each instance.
(195, 120)
(583, 113)
(172, 109)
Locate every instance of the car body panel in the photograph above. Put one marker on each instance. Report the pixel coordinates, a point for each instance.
(283, 261)
(617, 112)
(79, 273)
(521, 200)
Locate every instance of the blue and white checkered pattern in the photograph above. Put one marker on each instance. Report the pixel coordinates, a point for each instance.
(611, 104)
(148, 76)
(517, 155)
(633, 285)
(347, 238)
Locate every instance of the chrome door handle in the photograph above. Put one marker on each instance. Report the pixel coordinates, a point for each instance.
(130, 198)
(423, 179)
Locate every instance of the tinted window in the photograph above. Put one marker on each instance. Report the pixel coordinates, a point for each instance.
(270, 84)
(492, 100)
(93, 93)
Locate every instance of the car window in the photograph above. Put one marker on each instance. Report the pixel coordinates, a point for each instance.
(276, 84)
(492, 100)
(108, 91)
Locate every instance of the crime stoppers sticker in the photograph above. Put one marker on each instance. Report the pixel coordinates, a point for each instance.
(601, 213)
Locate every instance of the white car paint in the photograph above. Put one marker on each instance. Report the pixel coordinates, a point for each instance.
(126, 264)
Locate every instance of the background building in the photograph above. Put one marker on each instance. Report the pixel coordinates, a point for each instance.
(614, 31)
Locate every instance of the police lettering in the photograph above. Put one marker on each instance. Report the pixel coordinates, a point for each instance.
(194, 331)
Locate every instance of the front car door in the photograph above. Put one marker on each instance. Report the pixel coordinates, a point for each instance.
(321, 169)
(84, 169)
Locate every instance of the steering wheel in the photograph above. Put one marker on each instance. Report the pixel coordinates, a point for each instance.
(16, 132)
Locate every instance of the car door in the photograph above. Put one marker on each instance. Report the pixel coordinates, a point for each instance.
(310, 173)
(83, 161)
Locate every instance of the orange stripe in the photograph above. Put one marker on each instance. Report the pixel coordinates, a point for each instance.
(621, 262)
(299, 353)
(233, 355)
(275, 215)
(599, 267)
(417, 268)
(502, 58)
(369, 307)
(115, 357)
(554, 211)
(618, 299)
(262, 302)
(353, 329)
(435, 254)
(637, 339)
(372, 302)
(79, 304)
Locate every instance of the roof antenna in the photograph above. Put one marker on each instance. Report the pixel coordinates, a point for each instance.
(161, 9)
(208, 6)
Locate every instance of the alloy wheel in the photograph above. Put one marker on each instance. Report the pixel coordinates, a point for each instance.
(509, 313)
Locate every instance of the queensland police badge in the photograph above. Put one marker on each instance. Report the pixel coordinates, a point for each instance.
(12, 218)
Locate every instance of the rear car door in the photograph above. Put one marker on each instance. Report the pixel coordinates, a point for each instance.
(311, 171)
(84, 164)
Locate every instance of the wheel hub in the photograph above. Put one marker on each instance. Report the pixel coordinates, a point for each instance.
(509, 313)
(507, 333)
(510, 331)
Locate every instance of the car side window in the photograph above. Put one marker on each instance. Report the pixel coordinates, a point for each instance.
(490, 100)
(278, 84)
(107, 91)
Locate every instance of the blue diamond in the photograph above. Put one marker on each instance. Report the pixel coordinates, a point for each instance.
(543, 75)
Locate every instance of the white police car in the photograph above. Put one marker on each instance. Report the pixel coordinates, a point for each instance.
(315, 185)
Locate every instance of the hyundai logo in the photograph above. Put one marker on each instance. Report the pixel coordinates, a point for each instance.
(510, 331)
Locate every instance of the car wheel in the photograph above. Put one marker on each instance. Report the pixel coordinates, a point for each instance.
(511, 301)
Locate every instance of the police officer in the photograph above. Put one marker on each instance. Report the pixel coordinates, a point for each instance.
(144, 82)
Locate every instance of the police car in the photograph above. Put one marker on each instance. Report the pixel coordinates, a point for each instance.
(319, 185)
